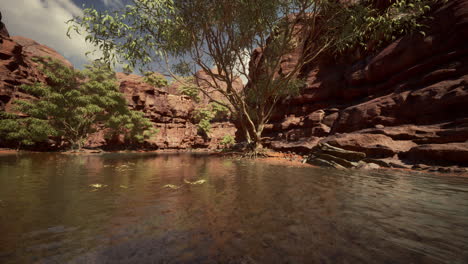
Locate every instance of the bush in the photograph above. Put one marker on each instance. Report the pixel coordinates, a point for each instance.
(155, 79)
(71, 106)
(203, 116)
(228, 141)
(189, 88)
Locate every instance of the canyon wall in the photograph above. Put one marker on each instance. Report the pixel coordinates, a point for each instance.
(408, 101)
(170, 112)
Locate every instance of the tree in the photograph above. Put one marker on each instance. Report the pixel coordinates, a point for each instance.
(71, 106)
(219, 37)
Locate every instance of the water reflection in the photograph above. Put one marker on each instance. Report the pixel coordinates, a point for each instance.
(246, 212)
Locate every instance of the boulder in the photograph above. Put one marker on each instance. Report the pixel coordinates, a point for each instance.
(323, 147)
(343, 162)
(325, 163)
(302, 146)
(450, 153)
(373, 145)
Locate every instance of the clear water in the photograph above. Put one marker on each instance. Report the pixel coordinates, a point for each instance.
(245, 212)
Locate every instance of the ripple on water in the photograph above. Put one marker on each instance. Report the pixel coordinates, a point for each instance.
(241, 212)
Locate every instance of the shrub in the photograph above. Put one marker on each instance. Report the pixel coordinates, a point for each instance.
(228, 141)
(155, 79)
(189, 88)
(205, 115)
(71, 106)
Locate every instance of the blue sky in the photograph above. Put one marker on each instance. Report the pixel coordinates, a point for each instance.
(44, 22)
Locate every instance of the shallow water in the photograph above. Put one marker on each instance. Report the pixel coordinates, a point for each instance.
(115, 208)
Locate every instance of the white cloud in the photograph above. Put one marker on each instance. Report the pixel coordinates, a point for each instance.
(44, 22)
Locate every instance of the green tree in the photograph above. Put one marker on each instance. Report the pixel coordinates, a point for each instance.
(219, 37)
(364, 27)
(71, 106)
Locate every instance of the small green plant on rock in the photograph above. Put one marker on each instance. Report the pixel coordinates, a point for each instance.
(189, 88)
(228, 141)
(155, 79)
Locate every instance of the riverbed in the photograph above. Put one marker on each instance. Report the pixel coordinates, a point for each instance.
(196, 208)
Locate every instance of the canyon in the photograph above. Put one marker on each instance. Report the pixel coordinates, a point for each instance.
(404, 106)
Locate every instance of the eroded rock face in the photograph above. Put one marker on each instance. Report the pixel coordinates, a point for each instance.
(3, 29)
(16, 69)
(171, 113)
(406, 101)
(33, 49)
(449, 153)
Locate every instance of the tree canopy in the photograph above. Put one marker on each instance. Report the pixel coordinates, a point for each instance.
(219, 37)
(72, 105)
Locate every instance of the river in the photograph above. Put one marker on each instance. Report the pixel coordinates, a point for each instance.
(187, 208)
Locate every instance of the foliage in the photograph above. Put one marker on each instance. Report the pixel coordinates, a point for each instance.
(204, 115)
(220, 36)
(369, 28)
(188, 87)
(221, 33)
(25, 131)
(155, 79)
(71, 105)
(228, 141)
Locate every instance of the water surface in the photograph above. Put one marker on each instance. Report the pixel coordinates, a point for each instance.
(114, 208)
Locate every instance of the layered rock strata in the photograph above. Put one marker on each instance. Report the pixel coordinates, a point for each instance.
(407, 102)
(171, 113)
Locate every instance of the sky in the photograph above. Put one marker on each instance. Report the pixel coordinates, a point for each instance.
(44, 22)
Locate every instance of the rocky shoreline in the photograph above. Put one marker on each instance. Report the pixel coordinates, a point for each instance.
(323, 155)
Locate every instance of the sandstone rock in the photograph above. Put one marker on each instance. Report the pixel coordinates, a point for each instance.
(3, 29)
(290, 122)
(204, 80)
(34, 49)
(325, 163)
(342, 162)
(316, 117)
(330, 119)
(368, 166)
(450, 153)
(413, 91)
(301, 146)
(170, 113)
(320, 130)
(340, 153)
(380, 162)
(373, 145)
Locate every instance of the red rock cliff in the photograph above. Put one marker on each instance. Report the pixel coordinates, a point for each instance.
(170, 113)
(408, 101)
